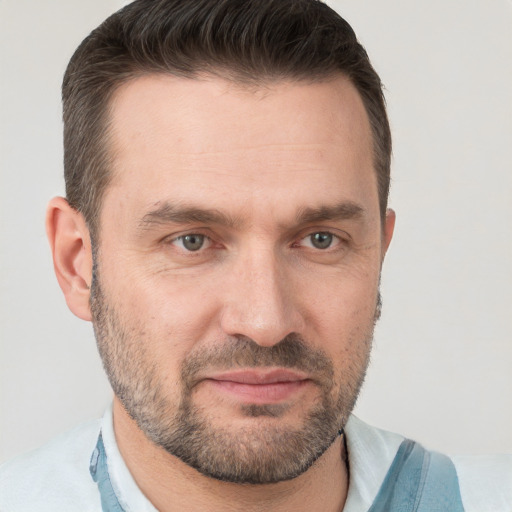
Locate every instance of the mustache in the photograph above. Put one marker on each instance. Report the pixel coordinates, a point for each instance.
(242, 352)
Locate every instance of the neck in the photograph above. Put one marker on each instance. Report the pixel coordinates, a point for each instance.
(171, 485)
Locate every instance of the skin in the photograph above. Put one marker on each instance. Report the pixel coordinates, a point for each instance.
(261, 157)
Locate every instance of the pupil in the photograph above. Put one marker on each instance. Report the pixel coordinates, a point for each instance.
(193, 242)
(321, 240)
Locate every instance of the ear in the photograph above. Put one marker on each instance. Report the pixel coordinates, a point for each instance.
(389, 227)
(70, 243)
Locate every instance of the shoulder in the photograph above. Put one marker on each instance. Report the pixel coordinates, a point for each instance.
(485, 482)
(53, 477)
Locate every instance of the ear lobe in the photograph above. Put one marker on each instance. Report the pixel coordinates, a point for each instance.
(389, 227)
(70, 243)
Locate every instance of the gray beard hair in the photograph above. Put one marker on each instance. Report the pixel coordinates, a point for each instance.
(265, 453)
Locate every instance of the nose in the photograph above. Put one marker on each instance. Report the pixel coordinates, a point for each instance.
(259, 300)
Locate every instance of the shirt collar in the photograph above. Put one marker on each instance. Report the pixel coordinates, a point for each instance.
(370, 454)
(129, 495)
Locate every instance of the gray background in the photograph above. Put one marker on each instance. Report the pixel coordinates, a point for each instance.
(442, 365)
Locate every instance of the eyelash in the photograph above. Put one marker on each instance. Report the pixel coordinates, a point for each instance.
(335, 243)
(182, 238)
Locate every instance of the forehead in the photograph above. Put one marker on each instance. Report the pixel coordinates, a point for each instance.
(173, 137)
(190, 112)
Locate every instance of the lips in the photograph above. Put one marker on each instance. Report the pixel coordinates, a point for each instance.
(259, 386)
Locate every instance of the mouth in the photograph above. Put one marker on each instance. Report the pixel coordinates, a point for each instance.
(259, 386)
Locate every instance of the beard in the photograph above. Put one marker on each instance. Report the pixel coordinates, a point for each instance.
(267, 451)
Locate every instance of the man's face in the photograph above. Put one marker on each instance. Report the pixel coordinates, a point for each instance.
(237, 269)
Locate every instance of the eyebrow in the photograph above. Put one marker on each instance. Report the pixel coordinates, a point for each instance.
(346, 210)
(168, 213)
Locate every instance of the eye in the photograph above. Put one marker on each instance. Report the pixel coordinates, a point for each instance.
(320, 240)
(192, 242)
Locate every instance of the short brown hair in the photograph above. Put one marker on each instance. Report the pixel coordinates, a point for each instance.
(248, 41)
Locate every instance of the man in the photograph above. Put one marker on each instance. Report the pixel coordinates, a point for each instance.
(227, 173)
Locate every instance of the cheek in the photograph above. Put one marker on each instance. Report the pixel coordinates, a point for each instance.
(343, 305)
(341, 321)
(171, 312)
